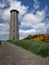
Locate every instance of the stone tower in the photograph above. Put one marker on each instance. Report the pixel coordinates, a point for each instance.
(14, 30)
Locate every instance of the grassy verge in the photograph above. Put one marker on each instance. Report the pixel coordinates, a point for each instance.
(36, 47)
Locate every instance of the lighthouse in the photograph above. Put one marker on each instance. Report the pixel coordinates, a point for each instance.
(14, 29)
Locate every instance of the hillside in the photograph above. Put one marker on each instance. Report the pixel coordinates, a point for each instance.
(36, 47)
(41, 37)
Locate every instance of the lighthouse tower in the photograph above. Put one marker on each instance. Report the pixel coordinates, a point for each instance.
(14, 29)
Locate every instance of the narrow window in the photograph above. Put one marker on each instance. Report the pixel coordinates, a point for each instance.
(13, 38)
(13, 30)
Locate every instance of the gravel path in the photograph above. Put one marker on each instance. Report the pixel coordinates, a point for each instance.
(14, 55)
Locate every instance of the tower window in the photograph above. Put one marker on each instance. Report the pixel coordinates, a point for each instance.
(13, 38)
(13, 30)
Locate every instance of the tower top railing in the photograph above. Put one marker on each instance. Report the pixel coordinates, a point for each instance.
(14, 10)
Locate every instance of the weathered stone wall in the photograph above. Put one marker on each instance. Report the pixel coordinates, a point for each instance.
(14, 29)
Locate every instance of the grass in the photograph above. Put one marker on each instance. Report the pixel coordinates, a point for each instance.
(36, 47)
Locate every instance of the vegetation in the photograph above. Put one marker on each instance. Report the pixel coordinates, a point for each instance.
(41, 37)
(36, 47)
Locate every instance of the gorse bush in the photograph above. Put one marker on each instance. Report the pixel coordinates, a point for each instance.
(36, 47)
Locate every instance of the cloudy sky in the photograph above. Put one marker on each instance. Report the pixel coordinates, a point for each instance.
(33, 17)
